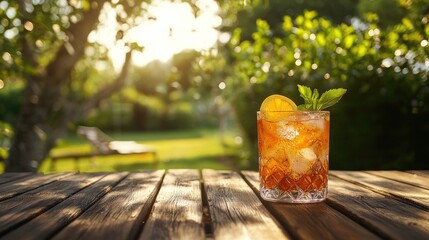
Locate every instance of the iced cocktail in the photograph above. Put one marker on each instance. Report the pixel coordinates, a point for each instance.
(293, 155)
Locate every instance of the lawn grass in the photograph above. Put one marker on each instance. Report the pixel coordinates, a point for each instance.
(195, 149)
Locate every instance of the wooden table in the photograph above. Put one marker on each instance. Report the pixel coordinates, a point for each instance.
(192, 204)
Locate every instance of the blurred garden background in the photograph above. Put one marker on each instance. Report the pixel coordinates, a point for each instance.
(187, 77)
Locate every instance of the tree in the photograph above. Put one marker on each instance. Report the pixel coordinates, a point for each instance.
(160, 91)
(43, 43)
(388, 16)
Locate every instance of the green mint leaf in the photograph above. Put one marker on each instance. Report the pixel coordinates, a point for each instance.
(313, 102)
(305, 93)
(314, 99)
(330, 97)
(304, 107)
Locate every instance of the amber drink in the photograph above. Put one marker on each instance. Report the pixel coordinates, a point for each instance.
(293, 155)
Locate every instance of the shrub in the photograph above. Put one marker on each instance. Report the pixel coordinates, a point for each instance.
(381, 122)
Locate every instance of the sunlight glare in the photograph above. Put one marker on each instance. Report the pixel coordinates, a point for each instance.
(171, 28)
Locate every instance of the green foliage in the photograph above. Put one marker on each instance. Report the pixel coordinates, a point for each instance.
(162, 95)
(42, 24)
(132, 110)
(159, 96)
(243, 14)
(180, 116)
(33, 31)
(389, 12)
(382, 120)
(11, 98)
(6, 134)
(111, 115)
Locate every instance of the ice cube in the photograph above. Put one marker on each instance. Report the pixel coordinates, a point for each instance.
(302, 162)
(287, 131)
(316, 123)
(275, 152)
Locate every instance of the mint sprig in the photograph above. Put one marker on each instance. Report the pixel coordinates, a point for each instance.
(313, 102)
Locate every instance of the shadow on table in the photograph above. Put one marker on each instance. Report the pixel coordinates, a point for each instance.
(210, 162)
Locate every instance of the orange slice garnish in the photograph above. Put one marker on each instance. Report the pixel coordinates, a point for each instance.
(276, 107)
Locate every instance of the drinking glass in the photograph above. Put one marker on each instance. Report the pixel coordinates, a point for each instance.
(293, 149)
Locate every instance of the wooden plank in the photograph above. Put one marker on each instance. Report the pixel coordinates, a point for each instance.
(406, 192)
(30, 204)
(28, 183)
(236, 211)
(54, 219)
(9, 177)
(310, 221)
(119, 214)
(390, 218)
(423, 173)
(177, 213)
(409, 178)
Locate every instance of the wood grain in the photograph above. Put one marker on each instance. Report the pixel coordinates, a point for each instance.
(177, 212)
(54, 219)
(236, 211)
(423, 173)
(222, 205)
(312, 221)
(115, 215)
(28, 205)
(9, 177)
(385, 215)
(409, 178)
(416, 195)
(28, 183)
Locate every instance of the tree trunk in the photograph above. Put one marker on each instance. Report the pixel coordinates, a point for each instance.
(38, 128)
(33, 135)
(43, 121)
